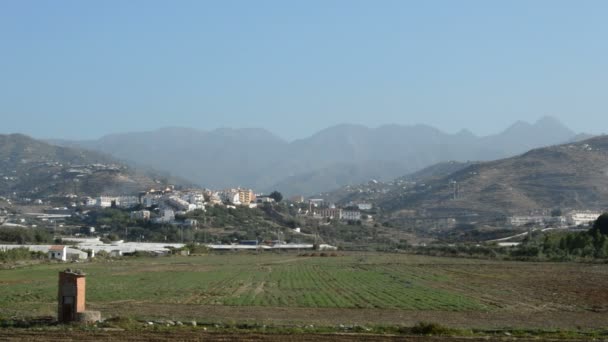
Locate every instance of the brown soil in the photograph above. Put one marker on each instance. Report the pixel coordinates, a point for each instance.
(199, 335)
(517, 295)
(333, 316)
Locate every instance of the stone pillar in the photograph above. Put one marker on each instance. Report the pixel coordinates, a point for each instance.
(71, 295)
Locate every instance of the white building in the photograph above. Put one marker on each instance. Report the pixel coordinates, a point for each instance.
(364, 206)
(54, 252)
(180, 204)
(76, 254)
(120, 248)
(264, 199)
(577, 218)
(105, 201)
(167, 216)
(316, 202)
(195, 198)
(140, 215)
(215, 198)
(127, 201)
(230, 196)
(58, 253)
(518, 221)
(350, 215)
(150, 200)
(329, 213)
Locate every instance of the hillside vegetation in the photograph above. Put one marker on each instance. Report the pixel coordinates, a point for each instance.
(565, 176)
(31, 168)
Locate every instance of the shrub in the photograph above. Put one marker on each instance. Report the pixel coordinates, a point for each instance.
(427, 328)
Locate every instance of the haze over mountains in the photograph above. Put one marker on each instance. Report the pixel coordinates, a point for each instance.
(34, 169)
(329, 159)
(567, 176)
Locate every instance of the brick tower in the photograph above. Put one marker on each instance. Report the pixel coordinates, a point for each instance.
(71, 297)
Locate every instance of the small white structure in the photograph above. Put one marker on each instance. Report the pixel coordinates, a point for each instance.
(508, 244)
(58, 252)
(324, 247)
(76, 254)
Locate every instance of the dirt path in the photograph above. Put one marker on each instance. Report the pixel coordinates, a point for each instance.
(498, 319)
(13, 335)
(259, 289)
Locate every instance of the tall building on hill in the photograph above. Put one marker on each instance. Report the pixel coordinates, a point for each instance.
(246, 196)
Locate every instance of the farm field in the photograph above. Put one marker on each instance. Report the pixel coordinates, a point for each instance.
(351, 288)
(194, 335)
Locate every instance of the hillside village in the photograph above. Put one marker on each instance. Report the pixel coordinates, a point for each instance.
(172, 207)
(87, 196)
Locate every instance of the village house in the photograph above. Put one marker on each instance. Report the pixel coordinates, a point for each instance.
(143, 215)
(58, 252)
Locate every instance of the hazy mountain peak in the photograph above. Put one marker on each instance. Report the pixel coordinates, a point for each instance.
(336, 132)
(344, 127)
(178, 129)
(518, 125)
(251, 133)
(548, 121)
(337, 155)
(466, 133)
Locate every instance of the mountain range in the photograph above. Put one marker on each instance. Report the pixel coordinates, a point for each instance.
(334, 157)
(566, 176)
(31, 168)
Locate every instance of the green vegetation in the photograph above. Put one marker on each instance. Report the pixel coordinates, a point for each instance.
(23, 236)
(18, 254)
(601, 224)
(592, 244)
(277, 196)
(217, 224)
(244, 280)
(286, 289)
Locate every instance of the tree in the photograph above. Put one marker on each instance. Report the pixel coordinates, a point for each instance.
(601, 224)
(276, 196)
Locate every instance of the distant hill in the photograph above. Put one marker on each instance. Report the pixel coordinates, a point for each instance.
(438, 170)
(216, 159)
(568, 176)
(31, 168)
(331, 158)
(374, 190)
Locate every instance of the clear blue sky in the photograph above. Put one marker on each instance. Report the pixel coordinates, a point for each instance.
(82, 69)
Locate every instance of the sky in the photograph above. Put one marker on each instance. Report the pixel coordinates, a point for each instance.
(83, 69)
